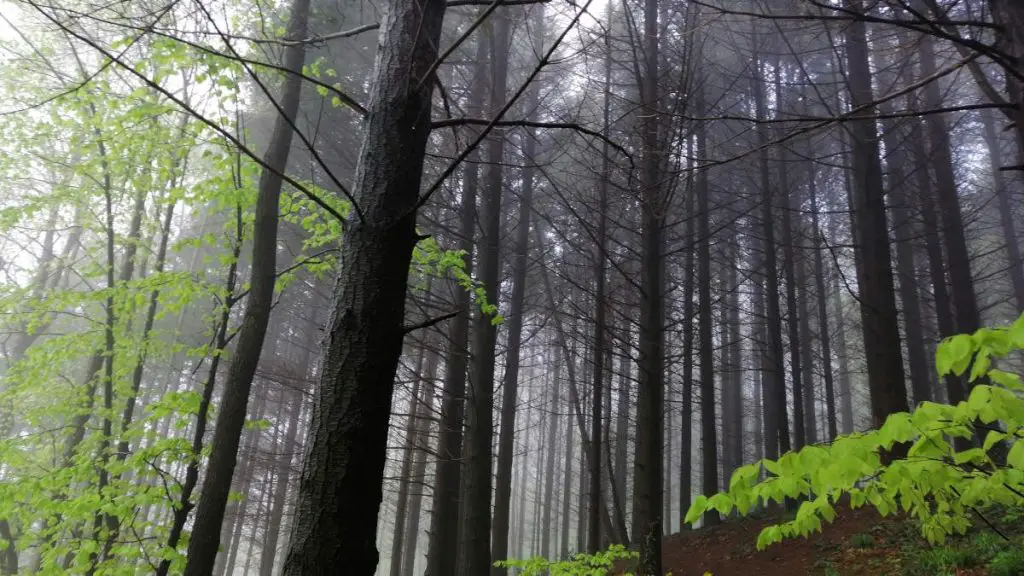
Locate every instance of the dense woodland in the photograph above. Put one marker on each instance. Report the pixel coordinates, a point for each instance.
(409, 287)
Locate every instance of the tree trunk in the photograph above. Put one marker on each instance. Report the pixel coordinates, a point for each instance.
(824, 337)
(443, 548)
(1003, 199)
(205, 538)
(340, 490)
(877, 296)
(709, 436)
(647, 475)
(503, 480)
(686, 426)
(401, 506)
(283, 476)
(776, 421)
(789, 262)
(480, 415)
(965, 305)
(419, 468)
(549, 478)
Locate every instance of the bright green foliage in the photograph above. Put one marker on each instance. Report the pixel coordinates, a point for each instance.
(935, 483)
(579, 565)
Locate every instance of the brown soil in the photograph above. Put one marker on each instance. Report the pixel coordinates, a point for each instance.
(730, 549)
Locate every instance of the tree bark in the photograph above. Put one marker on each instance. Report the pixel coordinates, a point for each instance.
(340, 490)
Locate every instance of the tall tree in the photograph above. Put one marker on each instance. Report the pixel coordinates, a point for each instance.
(340, 490)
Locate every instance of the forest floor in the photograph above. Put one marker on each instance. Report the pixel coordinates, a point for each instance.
(858, 543)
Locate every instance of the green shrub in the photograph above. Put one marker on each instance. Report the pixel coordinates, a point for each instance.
(1007, 563)
(580, 565)
(934, 483)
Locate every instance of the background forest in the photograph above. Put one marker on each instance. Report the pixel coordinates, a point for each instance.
(285, 284)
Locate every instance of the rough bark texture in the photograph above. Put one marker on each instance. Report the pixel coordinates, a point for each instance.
(340, 490)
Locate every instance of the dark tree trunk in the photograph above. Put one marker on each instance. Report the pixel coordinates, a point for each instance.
(647, 475)
(776, 421)
(443, 548)
(340, 490)
(904, 233)
(789, 262)
(598, 353)
(283, 477)
(845, 385)
(503, 486)
(965, 305)
(879, 320)
(480, 414)
(205, 538)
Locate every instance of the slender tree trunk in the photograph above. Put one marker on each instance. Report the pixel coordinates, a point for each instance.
(503, 486)
(567, 486)
(686, 426)
(419, 468)
(184, 505)
(480, 414)
(443, 549)
(965, 304)
(1001, 191)
(824, 337)
(401, 506)
(549, 478)
(709, 436)
(283, 476)
(340, 490)
(789, 262)
(205, 538)
(776, 421)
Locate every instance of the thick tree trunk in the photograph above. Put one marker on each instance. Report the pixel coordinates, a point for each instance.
(879, 320)
(205, 538)
(340, 490)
